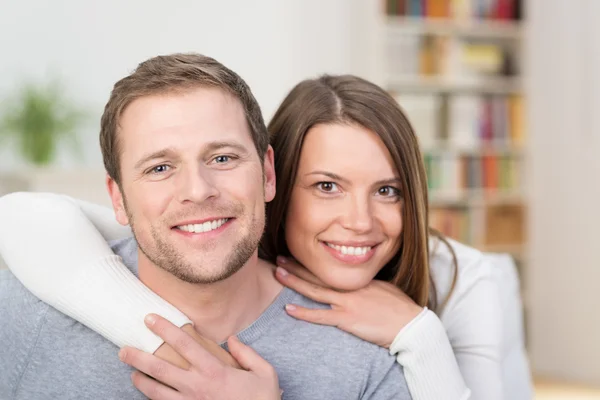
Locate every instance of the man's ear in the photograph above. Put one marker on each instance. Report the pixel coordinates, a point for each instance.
(117, 200)
(269, 168)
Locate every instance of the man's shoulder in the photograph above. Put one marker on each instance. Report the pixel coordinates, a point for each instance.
(43, 348)
(126, 248)
(13, 293)
(22, 315)
(317, 357)
(333, 337)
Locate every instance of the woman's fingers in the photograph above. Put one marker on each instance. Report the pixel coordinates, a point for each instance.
(211, 347)
(183, 343)
(308, 289)
(315, 316)
(153, 366)
(294, 268)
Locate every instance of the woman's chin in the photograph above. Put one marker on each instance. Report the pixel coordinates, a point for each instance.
(345, 281)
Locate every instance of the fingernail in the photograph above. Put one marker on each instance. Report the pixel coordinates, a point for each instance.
(281, 272)
(150, 319)
(281, 260)
(290, 307)
(122, 354)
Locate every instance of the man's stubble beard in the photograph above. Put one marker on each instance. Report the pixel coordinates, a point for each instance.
(166, 257)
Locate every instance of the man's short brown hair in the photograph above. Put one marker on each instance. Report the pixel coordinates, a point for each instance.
(168, 74)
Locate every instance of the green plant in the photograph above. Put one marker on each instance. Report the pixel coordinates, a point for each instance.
(37, 118)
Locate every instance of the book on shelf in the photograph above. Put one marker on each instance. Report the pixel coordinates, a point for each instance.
(502, 226)
(452, 222)
(461, 10)
(466, 122)
(455, 58)
(459, 177)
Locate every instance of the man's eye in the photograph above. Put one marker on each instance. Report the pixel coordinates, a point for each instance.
(222, 159)
(159, 169)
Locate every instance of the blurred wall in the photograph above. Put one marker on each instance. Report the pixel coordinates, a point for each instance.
(564, 274)
(273, 44)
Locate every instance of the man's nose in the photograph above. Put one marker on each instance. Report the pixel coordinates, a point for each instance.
(195, 184)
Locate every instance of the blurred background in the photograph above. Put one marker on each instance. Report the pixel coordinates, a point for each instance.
(504, 96)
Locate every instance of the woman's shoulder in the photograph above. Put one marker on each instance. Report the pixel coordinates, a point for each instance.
(471, 267)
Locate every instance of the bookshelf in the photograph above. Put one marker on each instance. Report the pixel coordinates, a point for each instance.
(455, 67)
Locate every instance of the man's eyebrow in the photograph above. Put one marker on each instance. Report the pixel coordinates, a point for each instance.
(218, 145)
(163, 153)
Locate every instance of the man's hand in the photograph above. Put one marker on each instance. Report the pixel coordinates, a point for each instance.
(207, 377)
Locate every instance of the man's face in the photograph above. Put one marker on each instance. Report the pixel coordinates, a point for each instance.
(193, 187)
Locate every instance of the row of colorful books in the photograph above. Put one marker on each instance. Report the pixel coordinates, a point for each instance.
(495, 227)
(454, 174)
(446, 56)
(465, 121)
(452, 222)
(458, 9)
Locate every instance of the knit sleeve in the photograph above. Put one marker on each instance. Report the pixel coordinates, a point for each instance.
(52, 247)
(430, 367)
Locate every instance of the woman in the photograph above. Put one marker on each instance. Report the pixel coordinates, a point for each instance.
(351, 206)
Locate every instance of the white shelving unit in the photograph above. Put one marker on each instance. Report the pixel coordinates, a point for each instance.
(466, 28)
(503, 207)
(454, 85)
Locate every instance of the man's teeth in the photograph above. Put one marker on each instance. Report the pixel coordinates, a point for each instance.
(205, 227)
(351, 251)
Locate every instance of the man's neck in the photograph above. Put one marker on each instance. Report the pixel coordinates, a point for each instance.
(219, 309)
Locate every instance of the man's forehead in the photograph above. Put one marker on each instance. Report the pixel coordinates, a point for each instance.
(189, 118)
(206, 105)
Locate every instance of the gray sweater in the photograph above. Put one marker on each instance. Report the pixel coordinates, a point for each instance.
(47, 355)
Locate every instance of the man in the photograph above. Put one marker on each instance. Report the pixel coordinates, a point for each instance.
(189, 169)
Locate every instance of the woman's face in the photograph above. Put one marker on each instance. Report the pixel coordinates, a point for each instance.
(344, 218)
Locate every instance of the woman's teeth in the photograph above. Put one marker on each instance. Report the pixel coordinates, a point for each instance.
(349, 250)
(205, 227)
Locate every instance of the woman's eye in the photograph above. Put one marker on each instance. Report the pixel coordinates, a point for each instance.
(328, 187)
(388, 191)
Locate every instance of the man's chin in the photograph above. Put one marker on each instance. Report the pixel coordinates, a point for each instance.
(203, 277)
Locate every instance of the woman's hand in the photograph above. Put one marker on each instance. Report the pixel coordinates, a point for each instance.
(207, 377)
(375, 313)
(167, 353)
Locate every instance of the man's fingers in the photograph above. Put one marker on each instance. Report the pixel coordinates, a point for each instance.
(248, 358)
(153, 366)
(152, 389)
(183, 343)
(310, 290)
(316, 316)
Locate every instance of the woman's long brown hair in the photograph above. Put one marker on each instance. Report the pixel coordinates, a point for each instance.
(348, 99)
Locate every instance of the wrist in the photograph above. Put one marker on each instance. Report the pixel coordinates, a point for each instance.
(407, 328)
(410, 314)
